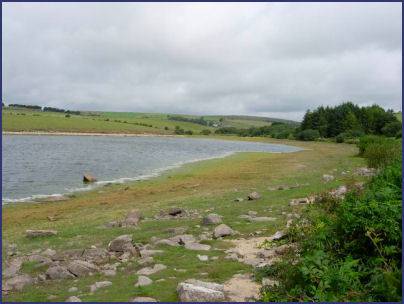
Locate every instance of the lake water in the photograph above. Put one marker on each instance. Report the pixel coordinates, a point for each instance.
(39, 166)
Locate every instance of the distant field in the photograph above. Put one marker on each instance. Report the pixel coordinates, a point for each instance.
(116, 122)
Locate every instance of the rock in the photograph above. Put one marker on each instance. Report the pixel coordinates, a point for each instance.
(52, 297)
(73, 289)
(252, 213)
(40, 233)
(133, 218)
(238, 199)
(339, 193)
(222, 230)
(277, 236)
(143, 299)
(197, 246)
(212, 219)
(12, 268)
(121, 243)
(299, 201)
(364, 171)
(11, 249)
(203, 258)
(199, 291)
(58, 272)
(176, 211)
(269, 282)
(109, 272)
(328, 178)
(73, 299)
(262, 219)
(183, 239)
(98, 285)
(88, 178)
(41, 260)
(151, 270)
(96, 255)
(49, 252)
(143, 281)
(81, 268)
(113, 224)
(17, 283)
(145, 261)
(254, 196)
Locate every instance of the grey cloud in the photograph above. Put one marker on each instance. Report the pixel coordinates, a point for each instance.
(223, 58)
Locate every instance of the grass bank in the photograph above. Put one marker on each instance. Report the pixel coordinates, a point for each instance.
(203, 187)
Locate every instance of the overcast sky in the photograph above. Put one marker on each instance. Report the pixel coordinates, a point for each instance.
(267, 59)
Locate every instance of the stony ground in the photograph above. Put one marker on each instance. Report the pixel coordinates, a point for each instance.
(194, 234)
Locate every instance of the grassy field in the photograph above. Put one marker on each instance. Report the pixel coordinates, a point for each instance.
(208, 186)
(113, 122)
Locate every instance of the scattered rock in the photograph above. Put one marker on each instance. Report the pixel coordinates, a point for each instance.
(88, 178)
(183, 239)
(254, 196)
(252, 213)
(197, 246)
(96, 255)
(17, 283)
(109, 272)
(203, 258)
(40, 233)
(81, 268)
(239, 199)
(143, 281)
(269, 282)
(121, 243)
(151, 270)
(364, 171)
(145, 253)
(328, 178)
(262, 219)
(132, 219)
(58, 272)
(143, 299)
(12, 268)
(41, 260)
(299, 201)
(73, 289)
(11, 249)
(222, 230)
(339, 193)
(49, 252)
(277, 236)
(212, 219)
(177, 230)
(98, 285)
(167, 242)
(73, 299)
(176, 211)
(199, 291)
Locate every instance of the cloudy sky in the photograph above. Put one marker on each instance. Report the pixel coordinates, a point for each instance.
(267, 59)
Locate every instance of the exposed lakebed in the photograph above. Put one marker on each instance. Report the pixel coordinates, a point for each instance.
(39, 166)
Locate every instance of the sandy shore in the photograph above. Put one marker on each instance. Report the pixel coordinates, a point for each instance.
(85, 134)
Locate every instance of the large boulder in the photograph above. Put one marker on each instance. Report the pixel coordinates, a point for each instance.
(199, 291)
(212, 219)
(88, 178)
(81, 268)
(40, 233)
(58, 272)
(254, 196)
(17, 282)
(122, 243)
(222, 230)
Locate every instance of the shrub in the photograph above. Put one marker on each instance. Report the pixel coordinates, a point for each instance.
(67, 115)
(381, 154)
(205, 132)
(166, 128)
(340, 138)
(308, 135)
(392, 129)
(189, 132)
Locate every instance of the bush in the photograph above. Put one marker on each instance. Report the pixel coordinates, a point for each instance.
(67, 115)
(179, 131)
(350, 252)
(308, 135)
(166, 128)
(205, 132)
(392, 129)
(382, 154)
(340, 138)
(189, 132)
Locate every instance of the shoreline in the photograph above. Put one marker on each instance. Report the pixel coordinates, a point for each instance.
(43, 133)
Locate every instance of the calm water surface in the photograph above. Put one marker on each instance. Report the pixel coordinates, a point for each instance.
(39, 166)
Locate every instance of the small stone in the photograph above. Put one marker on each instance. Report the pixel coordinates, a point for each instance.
(254, 196)
(121, 244)
(222, 230)
(143, 281)
(99, 285)
(176, 230)
(58, 272)
(88, 178)
(203, 258)
(212, 219)
(81, 268)
(109, 272)
(176, 211)
(262, 219)
(252, 213)
(183, 239)
(52, 297)
(73, 299)
(277, 236)
(40, 233)
(328, 178)
(197, 246)
(167, 242)
(133, 218)
(151, 270)
(238, 199)
(49, 252)
(143, 299)
(73, 289)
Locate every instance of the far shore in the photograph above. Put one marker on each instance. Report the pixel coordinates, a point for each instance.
(84, 134)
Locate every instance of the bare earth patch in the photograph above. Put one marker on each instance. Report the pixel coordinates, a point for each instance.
(241, 288)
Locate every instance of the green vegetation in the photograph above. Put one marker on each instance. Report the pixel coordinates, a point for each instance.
(275, 130)
(347, 117)
(208, 186)
(350, 250)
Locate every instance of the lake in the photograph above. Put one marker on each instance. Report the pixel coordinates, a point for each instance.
(36, 167)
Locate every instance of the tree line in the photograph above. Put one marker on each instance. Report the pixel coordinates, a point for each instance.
(44, 109)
